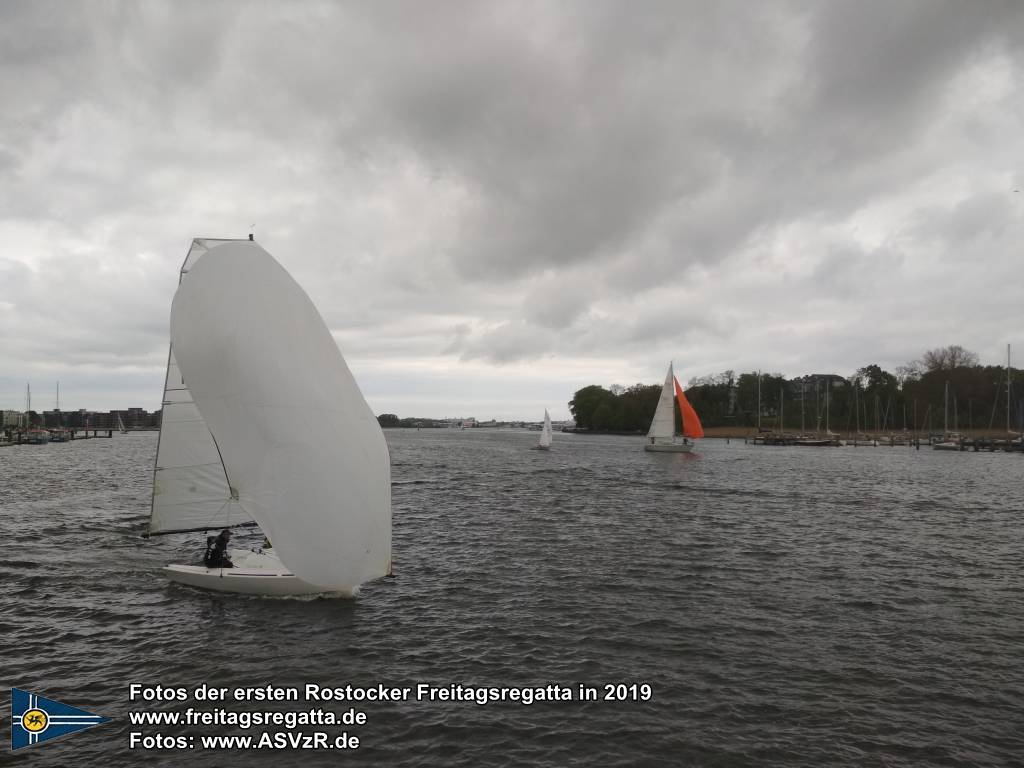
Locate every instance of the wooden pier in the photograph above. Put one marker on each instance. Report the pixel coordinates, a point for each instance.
(916, 441)
(88, 433)
(35, 436)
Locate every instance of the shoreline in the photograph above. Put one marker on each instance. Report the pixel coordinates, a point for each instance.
(749, 432)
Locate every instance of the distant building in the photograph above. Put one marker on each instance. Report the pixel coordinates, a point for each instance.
(13, 419)
(53, 418)
(137, 418)
(132, 418)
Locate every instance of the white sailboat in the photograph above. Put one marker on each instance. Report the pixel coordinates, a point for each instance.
(663, 436)
(120, 425)
(544, 443)
(270, 429)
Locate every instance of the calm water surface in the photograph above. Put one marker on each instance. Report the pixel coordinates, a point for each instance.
(788, 606)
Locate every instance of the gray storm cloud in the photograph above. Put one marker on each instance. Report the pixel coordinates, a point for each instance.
(464, 185)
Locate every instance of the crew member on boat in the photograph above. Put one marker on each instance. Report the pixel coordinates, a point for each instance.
(217, 551)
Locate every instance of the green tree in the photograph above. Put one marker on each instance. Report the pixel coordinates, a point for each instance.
(713, 399)
(604, 416)
(637, 405)
(585, 403)
(388, 420)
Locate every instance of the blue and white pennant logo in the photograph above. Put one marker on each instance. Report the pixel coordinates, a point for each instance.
(35, 719)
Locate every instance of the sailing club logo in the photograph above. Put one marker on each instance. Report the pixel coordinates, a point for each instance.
(35, 719)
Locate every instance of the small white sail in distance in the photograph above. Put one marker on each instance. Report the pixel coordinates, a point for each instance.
(302, 451)
(545, 432)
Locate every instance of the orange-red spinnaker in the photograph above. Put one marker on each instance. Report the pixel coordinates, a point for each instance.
(691, 422)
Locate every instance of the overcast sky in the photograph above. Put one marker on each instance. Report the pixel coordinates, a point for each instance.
(494, 204)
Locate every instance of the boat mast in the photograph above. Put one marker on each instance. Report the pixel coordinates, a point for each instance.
(759, 402)
(945, 410)
(856, 415)
(1007, 389)
(817, 405)
(802, 388)
(828, 384)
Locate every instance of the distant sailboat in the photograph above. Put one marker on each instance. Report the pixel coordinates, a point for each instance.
(238, 444)
(59, 433)
(544, 443)
(120, 424)
(662, 436)
(33, 435)
(951, 441)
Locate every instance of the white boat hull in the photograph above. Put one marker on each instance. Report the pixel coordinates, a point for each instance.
(246, 581)
(255, 573)
(669, 447)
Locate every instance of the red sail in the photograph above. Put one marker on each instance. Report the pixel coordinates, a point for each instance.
(691, 423)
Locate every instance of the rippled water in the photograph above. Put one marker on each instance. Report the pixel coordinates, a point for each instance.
(789, 606)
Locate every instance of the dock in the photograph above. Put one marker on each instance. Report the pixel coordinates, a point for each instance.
(40, 436)
(961, 443)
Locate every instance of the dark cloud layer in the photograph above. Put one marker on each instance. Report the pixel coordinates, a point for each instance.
(465, 185)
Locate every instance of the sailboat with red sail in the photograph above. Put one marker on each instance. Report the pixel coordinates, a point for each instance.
(663, 435)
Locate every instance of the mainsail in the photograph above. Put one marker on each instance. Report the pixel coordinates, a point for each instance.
(190, 489)
(663, 424)
(303, 452)
(545, 433)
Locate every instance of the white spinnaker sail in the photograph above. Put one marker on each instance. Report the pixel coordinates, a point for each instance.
(545, 432)
(663, 424)
(301, 447)
(190, 490)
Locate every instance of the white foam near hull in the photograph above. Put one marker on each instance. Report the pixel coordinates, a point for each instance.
(255, 573)
(669, 447)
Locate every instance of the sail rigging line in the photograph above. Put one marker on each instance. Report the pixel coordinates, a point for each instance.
(183, 466)
(231, 488)
(153, 534)
(213, 527)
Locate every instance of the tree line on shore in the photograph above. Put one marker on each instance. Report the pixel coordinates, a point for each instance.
(870, 400)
